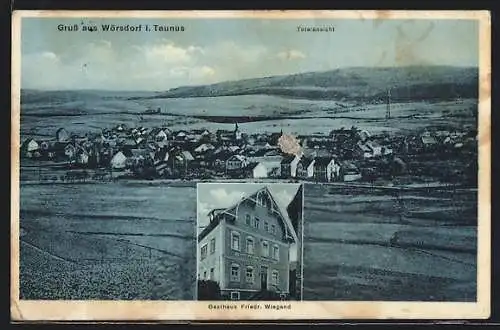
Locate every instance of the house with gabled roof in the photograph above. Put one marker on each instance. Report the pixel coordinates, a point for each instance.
(236, 162)
(349, 171)
(257, 170)
(29, 147)
(305, 168)
(158, 135)
(119, 160)
(204, 148)
(246, 247)
(326, 169)
(289, 166)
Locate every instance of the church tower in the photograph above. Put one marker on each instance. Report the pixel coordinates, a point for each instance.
(237, 133)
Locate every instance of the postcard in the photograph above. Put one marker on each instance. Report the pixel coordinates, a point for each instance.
(250, 165)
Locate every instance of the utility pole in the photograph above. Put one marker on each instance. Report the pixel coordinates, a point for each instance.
(388, 105)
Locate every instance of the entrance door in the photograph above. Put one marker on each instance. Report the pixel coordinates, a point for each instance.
(263, 278)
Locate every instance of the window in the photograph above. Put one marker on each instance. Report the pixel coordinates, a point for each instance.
(275, 277)
(235, 241)
(212, 246)
(249, 275)
(266, 226)
(268, 203)
(273, 229)
(260, 199)
(235, 295)
(265, 249)
(235, 273)
(248, 219)
(276, 252)
(256, 222)
(203, 252)
(250, 245)
(212, 273)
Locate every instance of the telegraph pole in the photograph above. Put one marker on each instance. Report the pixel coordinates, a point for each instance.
(388, 105)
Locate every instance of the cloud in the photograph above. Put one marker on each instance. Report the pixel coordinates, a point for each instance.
(230, 50)
(223, 198)
(218, 198)
(283, 197)
(101, 64)
(50, 56)
(291, 54)
(202, 210)
(168, 52)
(155, 65)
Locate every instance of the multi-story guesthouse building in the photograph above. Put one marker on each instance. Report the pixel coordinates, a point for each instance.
(246, 248)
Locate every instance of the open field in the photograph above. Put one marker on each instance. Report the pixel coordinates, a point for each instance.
(255, 113)
(368, 244)
(107, 241)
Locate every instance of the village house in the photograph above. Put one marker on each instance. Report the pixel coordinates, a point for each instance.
(120, 128)
(29, 148)
(180, 161)
(305, 168)
(246, 248)
(350, 171)
(326, 169)
(257, 170)
(162, 155)
(261, 145)
(236, 162)
(181, 135)
(427, 142)
(119, 160)
(217, 158)
(70, 151)
(158, 135)
(140, 157)
(62, 135)
(202, 148)
(271, 162)
(82, 156)
(204, 136)
(128, 143)
(375, 147)
(289, 166)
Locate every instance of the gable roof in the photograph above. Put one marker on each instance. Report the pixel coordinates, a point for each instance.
(287, 160)
(323, 161)
(294, 208)
(238, 157)
(187, 155)
(126, 152)
(306, 161)
(253, 165)
(428, 140)
(282, 215)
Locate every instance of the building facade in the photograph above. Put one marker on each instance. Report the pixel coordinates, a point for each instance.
(246, 248)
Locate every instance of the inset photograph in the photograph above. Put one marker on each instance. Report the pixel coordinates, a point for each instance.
(249, 241)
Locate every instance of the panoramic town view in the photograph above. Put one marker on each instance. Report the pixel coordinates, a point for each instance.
(386, 156)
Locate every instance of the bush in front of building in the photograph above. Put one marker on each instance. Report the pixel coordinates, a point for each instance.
(208, 290)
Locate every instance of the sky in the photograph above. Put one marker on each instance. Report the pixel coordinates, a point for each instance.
(223, 195)
(215, 50)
